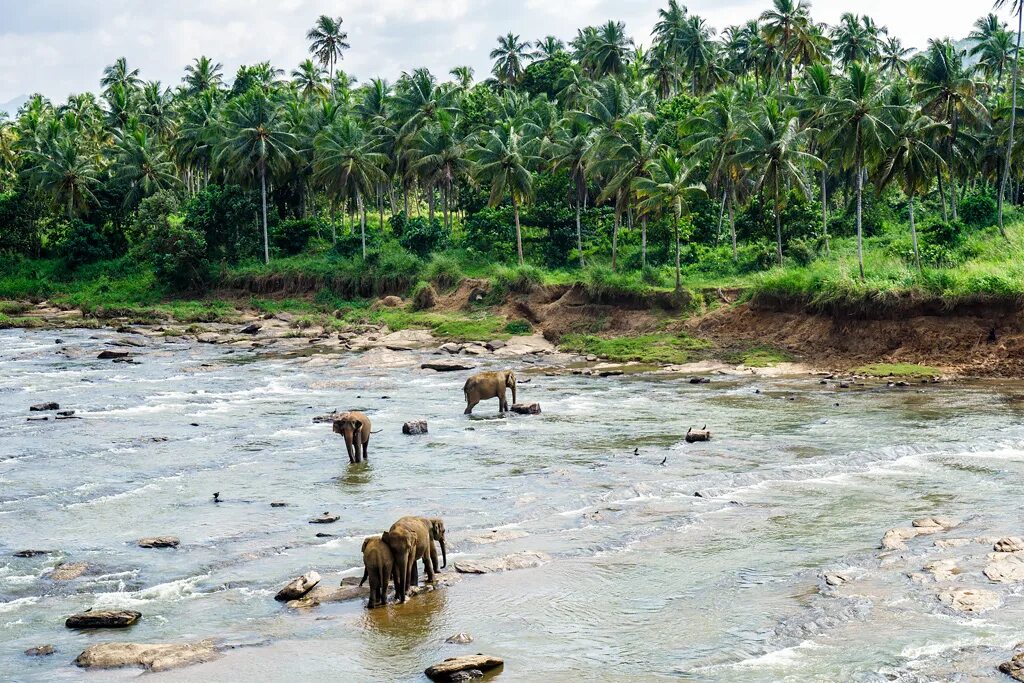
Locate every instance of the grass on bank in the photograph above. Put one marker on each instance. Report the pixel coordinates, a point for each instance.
(909, 370)
(647, 348)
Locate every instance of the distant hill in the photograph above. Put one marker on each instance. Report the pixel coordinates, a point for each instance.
(12, 106)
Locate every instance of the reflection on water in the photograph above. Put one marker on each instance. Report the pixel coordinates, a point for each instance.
(646, 579)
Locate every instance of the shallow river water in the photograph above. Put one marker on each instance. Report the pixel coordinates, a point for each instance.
(646, 581)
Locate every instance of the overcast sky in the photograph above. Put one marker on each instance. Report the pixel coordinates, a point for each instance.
(58, 47)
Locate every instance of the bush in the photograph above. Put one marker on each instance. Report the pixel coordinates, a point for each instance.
(492, 231)
(19, 223)
(153, 214)
(227, 218)
(291, 237)
(444, 271)
(81, 243)
(518, 280)
(420, 235)
(979, 210)
(946, 234)
(518, 327)
(394, 269)
(605, 285)
(423, 296)
(178, 254)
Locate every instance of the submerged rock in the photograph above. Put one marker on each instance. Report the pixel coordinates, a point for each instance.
(68, 571)
(449, 669)
(40, 651)
(103, 619)
(31, 553)
(697, 435)
(460, 639)
(446, 366)
(326, 518)
(970, 600)
(1015, 667)
(111, 355)
(159, 542)
(40, 407)
(1005, 568)
(152, 657)
(525, 408)
(895, 539)
(501, 564)
(836, 579)
(414, 427)
(1011, 544)
(933, 525)
(298, 587)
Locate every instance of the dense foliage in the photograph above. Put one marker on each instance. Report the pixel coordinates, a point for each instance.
(735, 150)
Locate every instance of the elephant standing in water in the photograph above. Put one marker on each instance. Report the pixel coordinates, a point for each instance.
(485, 385)
(379, 567)
(412, 539)
(355, 427)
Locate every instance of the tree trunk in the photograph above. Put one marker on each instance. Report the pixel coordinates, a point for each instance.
(732, 229)
(824, 210)
(362, 221)
(860, 207)
(643, 241)
(579, 229)
(430, 204)
(952, 193)
(519, 234)
(679, 284)
(942, 194)
(778, 221)
(721, 217)
(615, 234)
(263, 192)
(1013, 122)
(334, 223)
(913, 233)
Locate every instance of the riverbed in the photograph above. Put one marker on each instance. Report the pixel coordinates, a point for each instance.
(644, 579)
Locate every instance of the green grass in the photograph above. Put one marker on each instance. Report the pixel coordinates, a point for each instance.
(648, 348)
(759, 357)
(897, 370)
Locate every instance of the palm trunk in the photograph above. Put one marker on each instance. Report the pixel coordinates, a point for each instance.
(519, 234)
(913, 233)
(732, 230)
(263, 192)
(824, 210)
(1013, 122)
(778, 221)
(615, 234)
(942, 194)
(860, 207)
(579, 229)
(430, 204)
(679, 284)
(362, 220)
(643, 241)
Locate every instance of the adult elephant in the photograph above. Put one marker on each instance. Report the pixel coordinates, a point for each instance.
(355, 427)
(412, 539)
(485, 385)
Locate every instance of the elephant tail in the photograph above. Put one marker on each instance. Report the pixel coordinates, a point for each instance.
(366, 575)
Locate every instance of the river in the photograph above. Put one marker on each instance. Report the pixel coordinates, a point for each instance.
(646, 580)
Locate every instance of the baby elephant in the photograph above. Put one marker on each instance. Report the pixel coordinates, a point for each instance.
(378, 566)
(355, 427)
(485, 385)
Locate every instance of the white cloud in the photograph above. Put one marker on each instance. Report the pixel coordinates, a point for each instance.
(61, 46)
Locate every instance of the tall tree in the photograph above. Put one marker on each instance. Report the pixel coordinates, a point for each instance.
(203, 74)
(328, 42)
(1017, 7)
(510, 58)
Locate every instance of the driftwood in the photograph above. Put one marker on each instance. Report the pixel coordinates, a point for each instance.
(695, 435)
(298, 587)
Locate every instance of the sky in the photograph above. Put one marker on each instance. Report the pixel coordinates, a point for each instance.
(59, 47)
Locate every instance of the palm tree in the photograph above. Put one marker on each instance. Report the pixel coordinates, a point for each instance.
(858, 132)
(202, 75)
(118, 73)
(509, 58)
(817, 96)
(65, 171)
(569, 151)
(698, 50)
(463, 76)
(439, 157)
(1016, 7)
(667, 184)
(308, 80)
(894, 57)
(328, 42)
(603, 51)
(503, 160)
(671, 29)
(856, 39)
(788, 24)
(772, 148)
(347, 165)
(548, 47)
(143, 165)
(912, 160)
(254, 142)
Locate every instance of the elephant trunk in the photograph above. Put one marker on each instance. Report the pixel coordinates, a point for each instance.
(444, 555)
(514, 394)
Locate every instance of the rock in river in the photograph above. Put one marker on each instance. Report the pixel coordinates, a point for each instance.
(40, 407)
(151, 657)
(525, 408)
(414, 427)
(298, 587)
(1005, 568)
(449, 669)
(103, 619)
(326, 518)
(447, 366)
(971, 600)
(502, 564)
(32, 553)
(111, 355)
(40, 651)
(1011, 544)
(460, 639)
(159, 542)
(896, 539)
(68, 571)
(1015, 667)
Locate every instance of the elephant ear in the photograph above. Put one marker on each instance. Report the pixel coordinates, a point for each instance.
(357, 425)
(437, 528)
(386, 537)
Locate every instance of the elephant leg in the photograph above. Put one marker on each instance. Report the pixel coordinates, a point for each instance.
(429, 564)
(415, 580)
(502, 403)
(366, 455)
(469, 407)
(351, 450)
(433, 559)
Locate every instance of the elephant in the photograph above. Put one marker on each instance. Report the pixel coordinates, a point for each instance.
(355, 427)
(379, 567)
(485, 385)
(403, 539)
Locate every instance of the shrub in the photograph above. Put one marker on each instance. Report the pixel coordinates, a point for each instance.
(979, 210)
(518, 327)
(393, 268)
(19, 223)
(492, 231)
(443, 271)
(420, 235)
(519, 280)
(153, 213)
(423, 296)
(290, 237)
(604, 284)
(178, 255)
(227, 218)
(80, 243)
(947, 234)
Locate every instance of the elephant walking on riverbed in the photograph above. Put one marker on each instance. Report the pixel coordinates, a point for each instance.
(379, 568)
(355, 427)
(412, 539)
(485, 385)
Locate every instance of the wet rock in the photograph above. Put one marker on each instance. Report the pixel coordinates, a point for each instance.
(103, 619)
(498, 536)
(947, 543)
(68, 571)
(943, 570)
(209, 338)
(501, 564)
(452, 348)
(611, 373)
(251, 328)
(969, 600)
(323, 535)
(1010, 544)
(112, 355)
(460, 639)
(32, 553)
(475, 350)
(298, 587)
(1015, 667)
(37, 419)
(525, 408)
(446, 670)
(279, 504)
(836, 579)
(896, 539)
(40, 651)
(322, 594)
(159, 542)
(466, 676)
(326, 518)
(1005, 568)
(932, 525)
(696, 435)
(65, 413)
(41, 407)
(329, 418)
(447, 366)
(152, 657)
(524, 346)
(415, 427)
(495, 344)
(349, 581)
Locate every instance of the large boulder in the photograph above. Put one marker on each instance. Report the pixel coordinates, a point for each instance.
(40, 407)
(122, 618)
(970, 600)
(152, 657)
(1005, 568)
(298, 587)
(415, 427)
(1015, 667)
(1010, 544)
(525, 408)
(524, 560)
(449, 669)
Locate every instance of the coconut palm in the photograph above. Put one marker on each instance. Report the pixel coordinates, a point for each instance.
(667, 185)
(548, 47)
(463, 76)
(816, 94)
(203, 74)
(144, 166)
(570, 151)
(347, 165)
(328, 42)
(604, 50)
(118, 73)
(66, 171)
(439, 158)
(912, 161)
(503, 161)
(308, 79)
(255, 142)
(894, 57)
(698, 50)
(857, 131)
(1016, 7)
(670, 30)
(772, 149)
(510, 59)
(856, 39)
(788, 24)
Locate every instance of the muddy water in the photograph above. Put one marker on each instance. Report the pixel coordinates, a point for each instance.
(646, 580)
